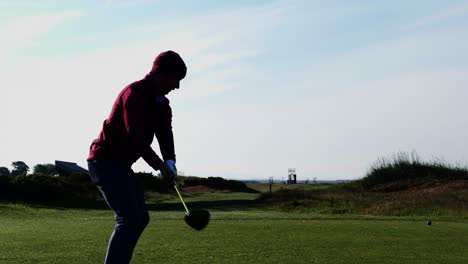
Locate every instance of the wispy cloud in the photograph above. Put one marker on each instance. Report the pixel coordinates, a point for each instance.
(126, 3)
(453, 11)
(25, 31)
(21, 4)
(405, 53)
(216, 45)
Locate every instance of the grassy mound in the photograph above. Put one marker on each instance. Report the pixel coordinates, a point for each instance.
(404, 171)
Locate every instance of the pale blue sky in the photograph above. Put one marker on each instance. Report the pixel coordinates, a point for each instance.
(326, 87)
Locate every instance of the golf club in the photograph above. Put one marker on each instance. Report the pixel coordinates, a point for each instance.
(198, 218)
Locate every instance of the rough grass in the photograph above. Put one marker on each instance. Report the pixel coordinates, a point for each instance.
(404, 170)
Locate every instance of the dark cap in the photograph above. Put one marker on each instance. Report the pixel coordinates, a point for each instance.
(169, 62)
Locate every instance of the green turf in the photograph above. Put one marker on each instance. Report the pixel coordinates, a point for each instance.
(44, 235)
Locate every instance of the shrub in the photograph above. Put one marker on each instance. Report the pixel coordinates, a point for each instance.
(43, 188)
(40, 188)
(218, 183)
(4, 187)
(152, 183)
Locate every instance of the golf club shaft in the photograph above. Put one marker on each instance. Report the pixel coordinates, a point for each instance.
(181, 199)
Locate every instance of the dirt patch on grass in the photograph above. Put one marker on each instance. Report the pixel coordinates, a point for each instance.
(451, 195)
(438, 187)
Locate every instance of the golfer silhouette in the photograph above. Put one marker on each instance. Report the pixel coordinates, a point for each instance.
(140, 112)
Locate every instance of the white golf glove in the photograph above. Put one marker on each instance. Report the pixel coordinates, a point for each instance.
(171, 165)
(167, 172)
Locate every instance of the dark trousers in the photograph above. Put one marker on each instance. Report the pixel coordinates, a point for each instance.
(124, 195)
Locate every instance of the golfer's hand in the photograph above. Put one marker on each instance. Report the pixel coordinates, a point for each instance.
(167, 173)
(171, 165)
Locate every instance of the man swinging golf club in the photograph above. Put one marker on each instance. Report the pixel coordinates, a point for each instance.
(140, 111)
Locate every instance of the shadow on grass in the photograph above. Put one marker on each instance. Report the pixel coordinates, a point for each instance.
(62, 205)
(221, 205)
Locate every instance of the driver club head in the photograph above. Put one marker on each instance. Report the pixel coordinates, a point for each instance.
(197, 219)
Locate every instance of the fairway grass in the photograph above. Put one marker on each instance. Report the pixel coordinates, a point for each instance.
(45, 235)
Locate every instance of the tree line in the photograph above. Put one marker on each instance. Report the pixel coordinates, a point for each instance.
(20, 168)
(45, 186)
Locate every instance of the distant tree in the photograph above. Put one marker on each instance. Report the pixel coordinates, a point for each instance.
(4, 171)
(19, 168)
(45, 169)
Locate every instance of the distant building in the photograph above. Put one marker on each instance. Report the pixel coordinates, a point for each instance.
(64, 168)
(292, 178)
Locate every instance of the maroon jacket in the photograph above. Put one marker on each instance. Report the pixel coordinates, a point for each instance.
(137, 115)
